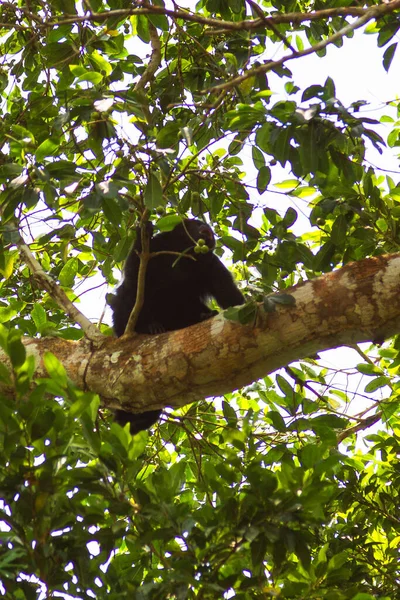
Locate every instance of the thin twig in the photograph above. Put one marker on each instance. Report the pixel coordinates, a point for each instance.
(365, 423)
(144, 257)
(268, 22)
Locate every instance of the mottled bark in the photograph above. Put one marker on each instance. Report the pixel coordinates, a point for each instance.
(357, 303)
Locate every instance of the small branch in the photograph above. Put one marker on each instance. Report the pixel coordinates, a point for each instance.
(362, 354)
(155, 59)
(144, 260)
(365, 423)
(57, 293)
(268, 22)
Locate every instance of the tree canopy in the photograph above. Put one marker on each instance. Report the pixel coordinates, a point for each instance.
(115, 112)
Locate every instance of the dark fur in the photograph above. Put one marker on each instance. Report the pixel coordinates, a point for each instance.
(176, 291)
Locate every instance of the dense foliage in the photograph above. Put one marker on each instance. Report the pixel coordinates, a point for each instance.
(111, 108)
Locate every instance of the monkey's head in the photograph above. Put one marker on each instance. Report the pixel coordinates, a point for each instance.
(197, 230)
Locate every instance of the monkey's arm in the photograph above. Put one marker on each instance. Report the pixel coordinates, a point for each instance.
(221, 284)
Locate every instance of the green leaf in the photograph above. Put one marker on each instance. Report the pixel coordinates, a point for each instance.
(85, 401)
(368, 369)
(68, 272)
(376, 384)
(339, 231)
(100, 63)
(42, 425)
(243, 314)
(55, 369)
(7, 313)
(258, 549)
(330, 88)
(59, 53)
(61, 168)
(322, 259)
(382, 224)
(159, 21)
(39, 316)
(270, 302)
(111, 209)
(387, 32)
(329, 421)
(284, 386)
(47, 148)
(15, 348)
(263, 179)
(290, 217)
(311, 454)
(153, 194)
(258, 158)
(229, 414)
(168, 223)
(388, 56)
(303, 552)
(263, 137)
(143, 28)
(276, 420)
(169, 136)
(91, 77)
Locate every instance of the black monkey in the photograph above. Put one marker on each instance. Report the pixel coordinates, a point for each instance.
(178, 283)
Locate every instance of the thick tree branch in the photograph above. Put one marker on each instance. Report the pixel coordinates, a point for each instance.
(357, 303)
